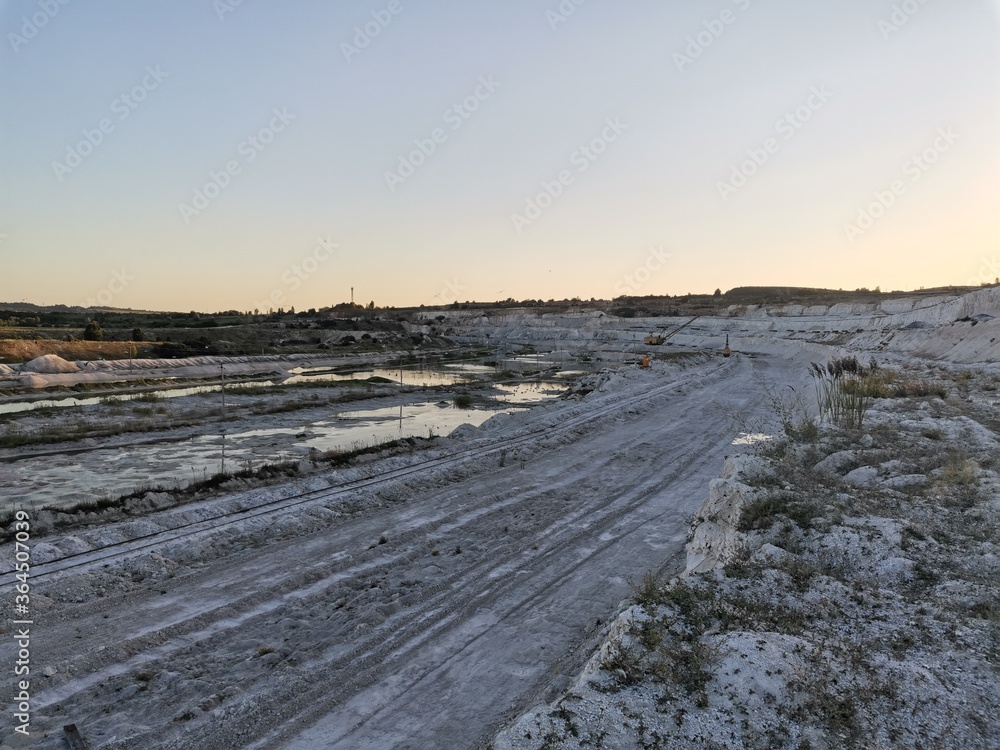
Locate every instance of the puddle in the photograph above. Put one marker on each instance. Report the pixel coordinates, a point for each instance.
(420, 378)
(472, 368)
(529, 393)
(391, 423)
(63, 480)
(137, 398)
(132, 397)
(71, 478)
(428, 376)
(423, 378)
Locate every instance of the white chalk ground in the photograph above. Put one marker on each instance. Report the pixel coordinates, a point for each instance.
(871, 625)
(425, 601)
(51, 370)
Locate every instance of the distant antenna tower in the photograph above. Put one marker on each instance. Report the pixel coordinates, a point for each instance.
(352, 295)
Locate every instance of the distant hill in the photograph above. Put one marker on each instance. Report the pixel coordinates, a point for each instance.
(76, 309)
(758, 295)
(681, 304)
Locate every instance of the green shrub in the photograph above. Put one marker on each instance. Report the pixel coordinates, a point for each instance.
(647, 593)
(761, 513)
(764, 512)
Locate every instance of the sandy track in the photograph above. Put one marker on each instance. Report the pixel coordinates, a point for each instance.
(390, 645)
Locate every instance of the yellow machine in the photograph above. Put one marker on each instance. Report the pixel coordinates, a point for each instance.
(727, 352)
(645, 361)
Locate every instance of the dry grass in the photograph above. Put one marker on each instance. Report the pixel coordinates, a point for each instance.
(959, 471)
(14, 351)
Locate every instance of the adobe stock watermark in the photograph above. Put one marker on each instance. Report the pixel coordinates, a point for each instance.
(914, 168)
(713, 29)
(988, 273)
(224, 7)
(31, 25)
(901, 15)
(366, 33)
(582, 158)
(449, 292)
(249, 148)
(454, 117)
(123, 106)
(562, 12)
(787, 126)
(297, 273)
(632, 282)
(117, 283)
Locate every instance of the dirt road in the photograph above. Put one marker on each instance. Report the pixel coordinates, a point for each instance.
(422, 608)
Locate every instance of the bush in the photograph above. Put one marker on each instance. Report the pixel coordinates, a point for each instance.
(918, 388)
(648, 593)
(93, 332)
(764, 512)
(806, 431)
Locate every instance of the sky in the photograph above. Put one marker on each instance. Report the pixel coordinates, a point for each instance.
(224, 154)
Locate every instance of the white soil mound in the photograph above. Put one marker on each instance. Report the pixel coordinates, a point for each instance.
(49, 364)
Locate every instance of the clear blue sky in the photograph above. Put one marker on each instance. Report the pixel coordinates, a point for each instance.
(651, 213)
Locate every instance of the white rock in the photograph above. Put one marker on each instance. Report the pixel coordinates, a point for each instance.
(835, 462)
(862, 476)
(768, 553)
(906, 480)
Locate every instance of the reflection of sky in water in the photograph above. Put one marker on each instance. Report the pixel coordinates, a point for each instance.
(449, 374)
(528, 393)
(67, 479)
(471, 368)
(390, 423)
(134, 399)
(410, 377)
(425, 378)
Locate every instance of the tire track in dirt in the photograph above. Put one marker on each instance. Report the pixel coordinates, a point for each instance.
(189, 530)
(528, 595)
(429, 616)
(307, 577)
(378, 653)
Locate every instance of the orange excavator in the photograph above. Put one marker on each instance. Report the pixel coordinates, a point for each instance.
(727, 352)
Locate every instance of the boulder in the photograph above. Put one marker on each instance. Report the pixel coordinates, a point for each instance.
(863, 476)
